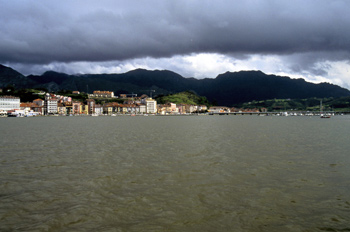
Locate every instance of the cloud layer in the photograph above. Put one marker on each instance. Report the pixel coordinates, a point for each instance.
(306, 36)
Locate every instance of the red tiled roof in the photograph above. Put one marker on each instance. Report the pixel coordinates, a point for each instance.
(28, 104)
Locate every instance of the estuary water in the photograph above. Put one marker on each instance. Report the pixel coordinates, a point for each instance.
(175, 173)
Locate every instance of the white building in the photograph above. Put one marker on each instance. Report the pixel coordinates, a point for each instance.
(98, 109)
(151, 106)
(142, 108)
(51, 106)
(9, 103)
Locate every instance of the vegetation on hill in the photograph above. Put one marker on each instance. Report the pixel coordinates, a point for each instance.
(26, 95)
(10, 77)
(247, 86)
(228, 89)
(187, 97)
(341, 104)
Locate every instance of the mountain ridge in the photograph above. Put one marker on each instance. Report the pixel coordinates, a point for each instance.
(228, 88)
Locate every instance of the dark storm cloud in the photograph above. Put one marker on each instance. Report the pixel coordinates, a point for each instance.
(45, 31)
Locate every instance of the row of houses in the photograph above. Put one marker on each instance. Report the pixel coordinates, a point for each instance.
(54, 105)
(62, 105)
(224, 110)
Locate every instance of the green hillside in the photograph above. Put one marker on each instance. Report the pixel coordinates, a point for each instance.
(226, 89)
(341, 104)
(186, 97)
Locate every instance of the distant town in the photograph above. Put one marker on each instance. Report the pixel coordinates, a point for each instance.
(50, 104)
(54, 104)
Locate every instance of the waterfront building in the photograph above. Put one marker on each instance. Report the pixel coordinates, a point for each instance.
(61, 109)
(130, 108)
(123, 109)
(219, 109)
(98, 109)
(9, 103)
(151, 105)
(108, 108)
(161, 109)
(26, 106)
(30, 108)
(164, 109)
(85, 109)
(141, 108)
(253, 110)
(51, 106)
(173, 108)
(76, 107)
(181, 108)
(191, 108)
(112, 108)
(69, 107)
(90, 106)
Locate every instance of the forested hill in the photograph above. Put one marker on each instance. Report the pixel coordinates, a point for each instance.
(226, 89)
(246, 86)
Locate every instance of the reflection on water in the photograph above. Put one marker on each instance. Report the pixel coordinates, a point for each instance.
(195, 173)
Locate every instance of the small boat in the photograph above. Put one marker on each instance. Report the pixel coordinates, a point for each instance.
(323, 115)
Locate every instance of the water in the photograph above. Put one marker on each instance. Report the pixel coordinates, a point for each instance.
(194, 173)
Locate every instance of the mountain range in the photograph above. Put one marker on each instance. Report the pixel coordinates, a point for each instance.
(228, 89)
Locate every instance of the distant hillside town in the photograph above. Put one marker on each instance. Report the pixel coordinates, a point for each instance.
(55, 104)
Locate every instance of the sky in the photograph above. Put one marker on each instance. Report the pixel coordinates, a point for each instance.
(307, 39)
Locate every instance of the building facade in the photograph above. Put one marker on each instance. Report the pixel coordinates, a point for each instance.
(151, 106)
(9, 103)
(102, 94)
(90, 106)
(76, 107)
(51, 106)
